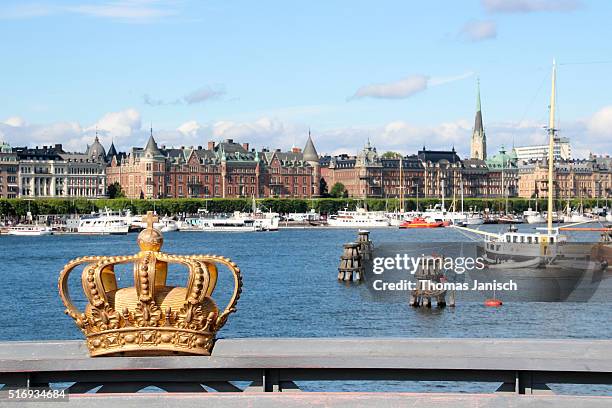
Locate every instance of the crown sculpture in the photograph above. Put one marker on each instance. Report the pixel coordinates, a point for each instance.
(149, 318)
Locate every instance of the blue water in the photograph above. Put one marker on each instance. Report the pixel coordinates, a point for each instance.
(290, 290)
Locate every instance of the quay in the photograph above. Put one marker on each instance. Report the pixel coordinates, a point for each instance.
(272, 369)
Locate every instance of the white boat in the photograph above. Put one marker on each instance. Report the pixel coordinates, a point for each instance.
(533, 217)
(358, 218)
(474, 219)
(609, 217)
(439, 213)
(576, 216)
(235, 223)
(312, 215)
(190, 224)
(105, 222)
(263, 221)
(165, 224)
(397, 218)
(29, 230)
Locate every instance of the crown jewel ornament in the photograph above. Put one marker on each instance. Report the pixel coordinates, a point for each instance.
(149, 318)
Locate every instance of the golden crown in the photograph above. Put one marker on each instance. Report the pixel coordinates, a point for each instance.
(149, 318)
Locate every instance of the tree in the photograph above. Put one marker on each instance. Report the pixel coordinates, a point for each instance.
(115, 190)
(338, 190)
(323, 188)
(391, 155)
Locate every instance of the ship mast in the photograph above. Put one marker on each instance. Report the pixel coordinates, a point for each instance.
(551, 146)
(401, 172)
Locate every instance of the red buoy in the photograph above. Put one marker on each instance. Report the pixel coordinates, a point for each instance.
(493, 302)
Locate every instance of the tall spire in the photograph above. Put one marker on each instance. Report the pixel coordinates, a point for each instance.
(477, 94)
(479, 139)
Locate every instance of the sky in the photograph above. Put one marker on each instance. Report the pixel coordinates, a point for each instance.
(400, 73)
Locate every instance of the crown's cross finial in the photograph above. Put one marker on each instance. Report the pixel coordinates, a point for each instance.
(150, 219)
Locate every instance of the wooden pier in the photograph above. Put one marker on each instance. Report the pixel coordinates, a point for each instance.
(519, 369)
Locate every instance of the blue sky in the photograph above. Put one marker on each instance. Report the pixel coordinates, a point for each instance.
(400, 73)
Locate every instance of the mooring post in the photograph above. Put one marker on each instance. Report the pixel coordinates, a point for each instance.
(351, 265)
(365, 245)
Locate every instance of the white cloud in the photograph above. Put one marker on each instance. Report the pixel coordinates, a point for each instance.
(190, 128)
(591, 134)
(203, 94)
(394, 90)
(601, 122)
(479, 30)
(124, 127)
(404, 88)
(122, 10)
(15, 121)
(120, 124)
(527, 6)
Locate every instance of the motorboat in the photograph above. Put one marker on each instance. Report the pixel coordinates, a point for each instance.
(438, 212)
(30, 230)
(533, 217)
(235, 223)
(420, 222)
(509, 219)
(105, 222)
(357, 219)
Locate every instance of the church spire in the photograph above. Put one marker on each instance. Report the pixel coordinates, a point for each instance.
(477, 94)
(479, 139)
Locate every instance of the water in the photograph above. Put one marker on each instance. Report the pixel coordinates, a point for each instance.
(290, 290)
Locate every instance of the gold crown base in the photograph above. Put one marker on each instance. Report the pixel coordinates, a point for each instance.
(150, 341)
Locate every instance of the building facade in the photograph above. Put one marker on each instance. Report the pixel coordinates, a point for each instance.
(49, 172)
(427, 174)
(588, 178)
(9, 166)
(562, 151)
(223, 170)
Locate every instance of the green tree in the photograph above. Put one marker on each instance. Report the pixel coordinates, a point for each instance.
(115, 191)
(338, 190)
(391, 155)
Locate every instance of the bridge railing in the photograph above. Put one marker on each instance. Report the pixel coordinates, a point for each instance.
(518, 366)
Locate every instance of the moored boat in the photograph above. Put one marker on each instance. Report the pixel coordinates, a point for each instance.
(103, 223)
(420, 222)
(357, 219)
(30, 230)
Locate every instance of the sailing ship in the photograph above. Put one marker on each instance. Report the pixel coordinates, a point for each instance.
(549, 246)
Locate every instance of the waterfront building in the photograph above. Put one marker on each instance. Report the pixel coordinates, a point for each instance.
(502, 174)
(49, 171)
(225, 170)
(562, 151)
(586, 178)
(9, 165)
(427, 173)
(478, 146)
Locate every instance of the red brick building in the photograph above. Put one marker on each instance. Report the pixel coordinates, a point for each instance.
(226, 169)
